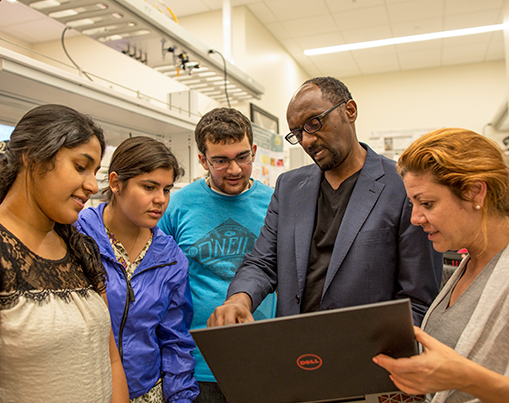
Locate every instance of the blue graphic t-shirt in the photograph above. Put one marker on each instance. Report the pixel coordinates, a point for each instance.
(215, 231)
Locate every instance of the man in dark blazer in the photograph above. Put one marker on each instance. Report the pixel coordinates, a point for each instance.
(337, 233)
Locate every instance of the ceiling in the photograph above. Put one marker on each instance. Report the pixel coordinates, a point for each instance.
(304, 24)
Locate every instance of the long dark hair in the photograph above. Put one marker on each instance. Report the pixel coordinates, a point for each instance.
(140, 155)
(35, 141)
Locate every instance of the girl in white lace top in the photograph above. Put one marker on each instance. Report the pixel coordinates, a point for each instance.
(56, 343)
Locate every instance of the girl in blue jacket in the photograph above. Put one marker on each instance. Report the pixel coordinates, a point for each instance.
(148, 287)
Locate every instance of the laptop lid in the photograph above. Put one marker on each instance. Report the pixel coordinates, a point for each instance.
(323, 356)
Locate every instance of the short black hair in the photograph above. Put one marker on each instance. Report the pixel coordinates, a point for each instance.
(222, 125)
(333, 90)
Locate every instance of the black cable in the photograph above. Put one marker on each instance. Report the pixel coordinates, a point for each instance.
(70, 58)
(225, 75)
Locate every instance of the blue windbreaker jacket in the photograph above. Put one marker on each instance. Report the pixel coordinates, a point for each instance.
(150, 314)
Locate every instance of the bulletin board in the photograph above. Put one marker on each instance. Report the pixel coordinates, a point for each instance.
(269, 160)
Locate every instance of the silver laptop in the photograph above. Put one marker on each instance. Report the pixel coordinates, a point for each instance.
(316, 357)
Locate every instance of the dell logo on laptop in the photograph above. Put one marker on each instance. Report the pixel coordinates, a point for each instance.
(309, 362)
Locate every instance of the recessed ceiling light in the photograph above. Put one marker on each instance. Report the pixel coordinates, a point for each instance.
(80, 23)
(404, 39)
(197, 85)
(40, 5)
(62, 14)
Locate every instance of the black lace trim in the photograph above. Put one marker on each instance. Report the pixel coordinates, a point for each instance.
(23, 271)
(42, 296)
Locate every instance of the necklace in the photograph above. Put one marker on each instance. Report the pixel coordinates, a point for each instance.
(107, 225)
(134, 244)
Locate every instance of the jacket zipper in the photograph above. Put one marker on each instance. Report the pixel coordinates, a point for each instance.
(130, 298)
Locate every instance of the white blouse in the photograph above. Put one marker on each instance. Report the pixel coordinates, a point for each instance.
(54, 342)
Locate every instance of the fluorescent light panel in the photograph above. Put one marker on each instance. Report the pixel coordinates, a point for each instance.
(404, 39)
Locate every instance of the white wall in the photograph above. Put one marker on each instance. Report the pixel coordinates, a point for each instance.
(131, 75)
(120, 73)
(466, 96)
(257, 53)
(462, 96)
(8, 42)
(501, 136)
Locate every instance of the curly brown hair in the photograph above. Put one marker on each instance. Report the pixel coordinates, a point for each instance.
(457, 158)
(222, 126)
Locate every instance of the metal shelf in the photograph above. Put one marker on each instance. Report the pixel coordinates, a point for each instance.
(25, 83)
(142, 31)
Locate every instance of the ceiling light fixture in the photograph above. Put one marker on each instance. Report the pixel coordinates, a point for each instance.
(404, 39)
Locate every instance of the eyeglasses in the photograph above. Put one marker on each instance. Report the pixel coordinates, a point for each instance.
(220, 164)
(311, 126)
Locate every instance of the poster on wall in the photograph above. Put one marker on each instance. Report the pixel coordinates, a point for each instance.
(269, 161)
(268, 164)
(392, 143)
